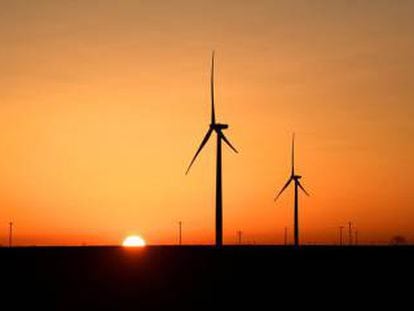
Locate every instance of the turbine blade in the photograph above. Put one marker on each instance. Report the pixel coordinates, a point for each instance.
(303, 189)
(200, 148)
(227, 142)
(213, 115)
(293, 154)
(283, 189)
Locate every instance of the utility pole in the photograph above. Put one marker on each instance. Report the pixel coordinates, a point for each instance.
(350, 232)
(239, 237)
(341, 228)
(356, 237)
(10, 234)
(180, 224)
(286, 232)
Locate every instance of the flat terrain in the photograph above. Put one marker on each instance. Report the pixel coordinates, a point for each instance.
(201, 277)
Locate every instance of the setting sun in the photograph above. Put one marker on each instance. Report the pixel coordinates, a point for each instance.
(134, 241)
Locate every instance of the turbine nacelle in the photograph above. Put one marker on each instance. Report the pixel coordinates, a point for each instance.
(219, 126)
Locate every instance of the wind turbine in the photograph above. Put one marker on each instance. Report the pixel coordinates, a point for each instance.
(295, 178)
(218, 128)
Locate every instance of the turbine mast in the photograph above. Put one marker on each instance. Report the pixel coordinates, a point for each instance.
(293, 154)
(219, 197)
(296, 216)
(213, 114)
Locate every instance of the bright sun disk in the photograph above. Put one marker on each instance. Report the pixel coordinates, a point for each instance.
(133, 241)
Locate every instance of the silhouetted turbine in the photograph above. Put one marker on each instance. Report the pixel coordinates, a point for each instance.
(295, 179)
(218, 128)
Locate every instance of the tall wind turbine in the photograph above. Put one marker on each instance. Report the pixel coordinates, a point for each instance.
(295, 178)
(218, 128)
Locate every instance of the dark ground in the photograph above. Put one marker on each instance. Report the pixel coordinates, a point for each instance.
(201, 277)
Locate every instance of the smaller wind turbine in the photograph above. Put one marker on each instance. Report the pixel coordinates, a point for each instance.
(295, 178)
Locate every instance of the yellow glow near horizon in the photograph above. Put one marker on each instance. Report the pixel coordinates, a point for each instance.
(134, 241)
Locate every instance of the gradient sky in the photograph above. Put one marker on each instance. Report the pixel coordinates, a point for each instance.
(103, 104)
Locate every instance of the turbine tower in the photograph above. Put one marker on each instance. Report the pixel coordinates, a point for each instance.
(218, 128)
(295, 178)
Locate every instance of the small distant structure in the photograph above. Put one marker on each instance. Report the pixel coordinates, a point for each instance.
(341, 229)
(398, 240)
(180, 236)
(350, 232)
(286, 236)
(356, 237)
(239, 237)
(10, 234)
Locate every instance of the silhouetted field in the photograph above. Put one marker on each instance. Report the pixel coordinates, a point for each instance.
(201, 277)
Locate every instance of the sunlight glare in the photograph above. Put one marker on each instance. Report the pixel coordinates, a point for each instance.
(134, 241)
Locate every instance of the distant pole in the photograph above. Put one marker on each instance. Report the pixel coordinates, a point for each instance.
(356, 237)
(341, 228)
(10, 234)
(350, 232)
(286, 233)
(239, 237)
(180, 225)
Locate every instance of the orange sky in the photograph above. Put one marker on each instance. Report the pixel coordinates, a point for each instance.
(103, 104)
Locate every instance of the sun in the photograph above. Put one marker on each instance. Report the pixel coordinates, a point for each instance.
(134, 241)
